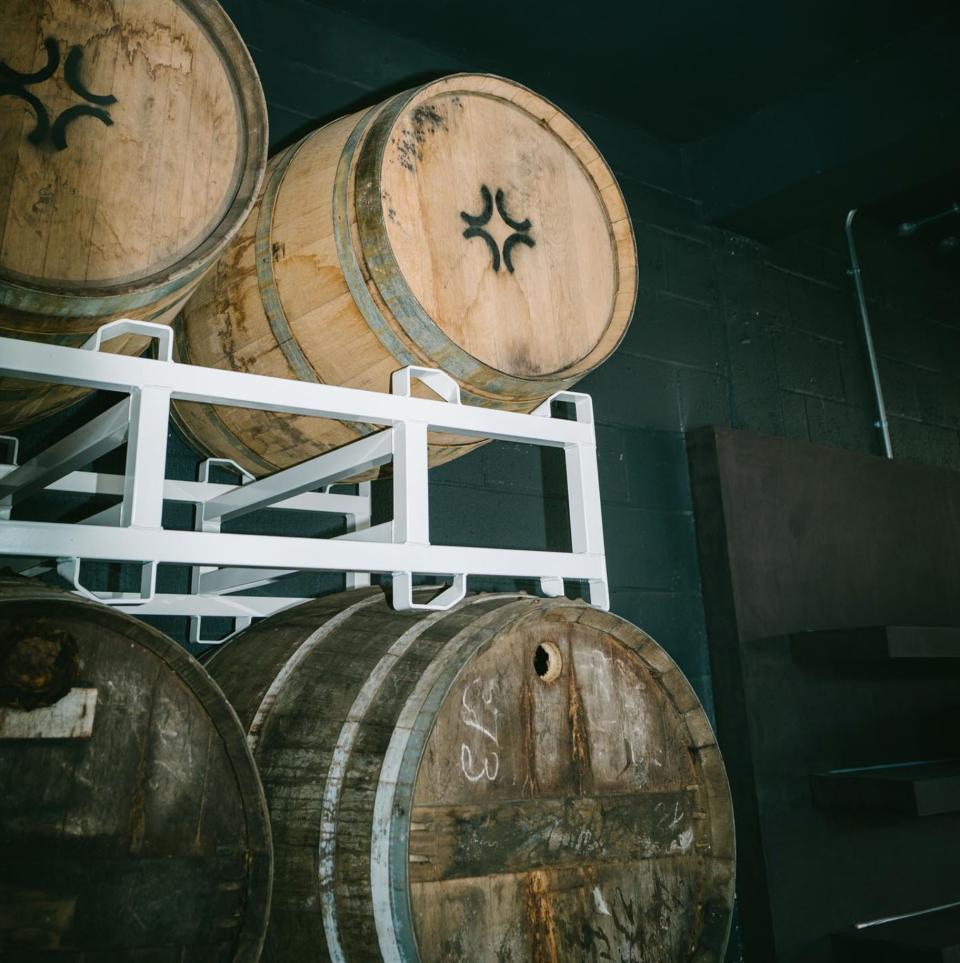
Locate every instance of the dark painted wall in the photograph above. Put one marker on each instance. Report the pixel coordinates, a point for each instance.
(726, 332)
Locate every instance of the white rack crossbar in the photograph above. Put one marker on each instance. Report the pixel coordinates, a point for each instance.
(132, 530)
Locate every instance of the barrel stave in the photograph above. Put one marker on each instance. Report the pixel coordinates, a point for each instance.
(475, 808)
(151, 835)
(163, 149)
(365, 264)
(365, 773)
(278, 304)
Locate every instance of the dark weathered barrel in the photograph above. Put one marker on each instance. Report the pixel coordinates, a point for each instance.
(514, 779)
(132, 820)
(133, 141)
(467, 225)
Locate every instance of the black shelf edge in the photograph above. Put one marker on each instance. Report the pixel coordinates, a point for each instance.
(878, 643)
(913, 789)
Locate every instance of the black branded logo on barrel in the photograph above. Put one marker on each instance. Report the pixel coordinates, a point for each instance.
(478, 222)
(15, 83)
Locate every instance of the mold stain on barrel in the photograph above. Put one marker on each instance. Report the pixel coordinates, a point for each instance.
(579, 736)
(531, 785)
(544, 946)
(425, 120)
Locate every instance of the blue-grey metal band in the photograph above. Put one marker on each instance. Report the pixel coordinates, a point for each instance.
(366, 200)
(385, 271)
(270, 294)
(350, 266)
(348, 257)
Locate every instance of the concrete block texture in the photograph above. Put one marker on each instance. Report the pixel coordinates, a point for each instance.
(726, 331)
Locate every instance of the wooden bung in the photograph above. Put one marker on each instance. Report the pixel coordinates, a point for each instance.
(132, 819)
(133, 142)
(467, 225)
(513, 779)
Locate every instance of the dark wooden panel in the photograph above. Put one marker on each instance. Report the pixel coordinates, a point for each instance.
(795, 538)
(916, 789)
(879, 643)
(822, 538)
(928, 938)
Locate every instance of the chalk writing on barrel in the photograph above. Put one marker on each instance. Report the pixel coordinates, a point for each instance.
(479, 714)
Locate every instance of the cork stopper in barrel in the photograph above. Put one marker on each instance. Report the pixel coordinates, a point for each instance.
(505, 225)
(131, 138)
(39, 662)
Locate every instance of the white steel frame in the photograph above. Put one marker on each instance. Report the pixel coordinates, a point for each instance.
(223, 563)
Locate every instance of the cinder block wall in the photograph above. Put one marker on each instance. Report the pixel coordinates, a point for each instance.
(726, 331)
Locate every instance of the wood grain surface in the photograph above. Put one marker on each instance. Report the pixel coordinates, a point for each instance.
(132, 145)
(467, 225)
(514, 779)
(147, 838)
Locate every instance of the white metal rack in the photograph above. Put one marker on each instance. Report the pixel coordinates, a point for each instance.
(225, 564)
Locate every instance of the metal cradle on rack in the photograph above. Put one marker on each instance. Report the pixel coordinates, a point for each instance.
(224, 563)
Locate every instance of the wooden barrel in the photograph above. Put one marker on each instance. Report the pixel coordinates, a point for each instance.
(467, 225)
(133, 142)
(514, 779)
(132, 819)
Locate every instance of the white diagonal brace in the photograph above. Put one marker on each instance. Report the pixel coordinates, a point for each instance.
(96, 438)
(374, 533)
(359, 456)
(223, 606)
(233, 579)
(178, 490)
(219, 581)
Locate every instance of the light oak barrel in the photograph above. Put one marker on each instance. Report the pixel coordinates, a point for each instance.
(133, 140)
(514, 779)
(467, 225)
(143, 835)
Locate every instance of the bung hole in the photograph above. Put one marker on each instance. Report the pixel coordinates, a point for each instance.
(547, 662)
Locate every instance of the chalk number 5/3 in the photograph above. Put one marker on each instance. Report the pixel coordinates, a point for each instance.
(479, 755)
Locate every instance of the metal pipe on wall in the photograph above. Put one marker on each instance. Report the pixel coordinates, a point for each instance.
(882, 423)
(911, 227)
